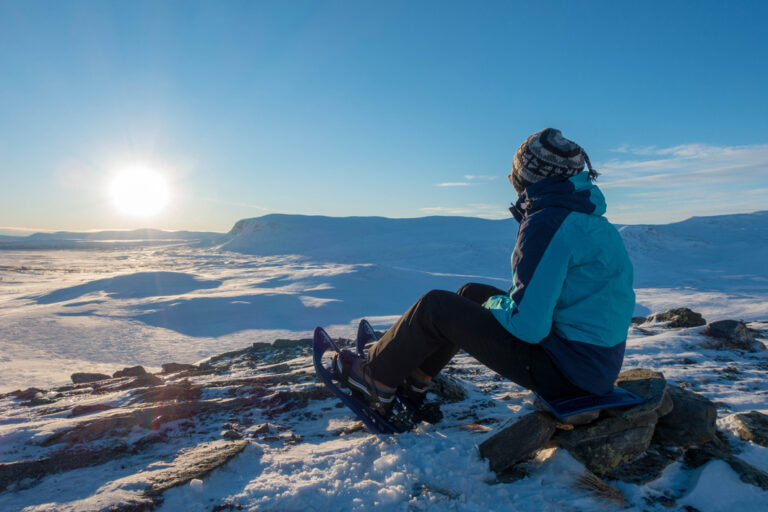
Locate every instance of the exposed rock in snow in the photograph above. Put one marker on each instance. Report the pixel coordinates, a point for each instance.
(732, 334)
(134, 371)
(82, 378)
(690, 422)
(177, 367)
(753, 426)
(681, 317)
(517, 440)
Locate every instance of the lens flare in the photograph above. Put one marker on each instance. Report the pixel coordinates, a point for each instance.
(139, 191)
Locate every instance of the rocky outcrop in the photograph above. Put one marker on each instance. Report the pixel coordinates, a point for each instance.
(133, 371)
(753, 426)
(632, 444)
(680, 317)
(608, 442)
(731, 335)
(690, 422)
(177, 367)
(651, 386)
(193, 463)
(517, 440)
(81, 378)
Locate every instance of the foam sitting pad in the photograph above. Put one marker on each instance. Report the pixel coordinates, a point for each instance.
(563, 408)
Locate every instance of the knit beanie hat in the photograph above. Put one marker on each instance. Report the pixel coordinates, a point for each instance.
(545, 154)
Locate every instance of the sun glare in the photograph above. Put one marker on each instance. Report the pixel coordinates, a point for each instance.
(139, 191)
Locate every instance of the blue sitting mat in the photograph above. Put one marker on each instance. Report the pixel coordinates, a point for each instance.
(562, 408)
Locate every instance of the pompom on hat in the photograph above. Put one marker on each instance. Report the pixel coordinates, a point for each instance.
(545, 154)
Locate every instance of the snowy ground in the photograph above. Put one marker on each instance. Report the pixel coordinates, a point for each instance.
(99, 308)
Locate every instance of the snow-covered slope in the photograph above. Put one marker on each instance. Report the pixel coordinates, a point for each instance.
(458, 245)
(153, 299)
(281, 275)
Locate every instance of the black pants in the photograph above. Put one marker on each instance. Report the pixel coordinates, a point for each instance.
(440, 323)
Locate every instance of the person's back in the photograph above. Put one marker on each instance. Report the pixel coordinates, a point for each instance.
(572, 288)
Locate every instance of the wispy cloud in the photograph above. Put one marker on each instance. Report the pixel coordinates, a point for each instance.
(479, 177)
(684, 163)
(653, 184)
(470, 179)
(488, 211)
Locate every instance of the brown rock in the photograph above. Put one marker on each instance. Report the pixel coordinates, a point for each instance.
(731, 334)
(681, 317)
(517, 439)
(450, 389)
(193, 463)
(80, 378)
(142, 381)
(27, 394)
(649, 385)
(177, 367)
(133, 371)
(608, 442)
(691, 422)
(753, 426)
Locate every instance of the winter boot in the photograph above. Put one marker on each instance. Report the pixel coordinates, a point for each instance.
(380, 400)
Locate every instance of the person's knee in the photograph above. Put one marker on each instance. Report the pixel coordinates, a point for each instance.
(432, 298)
(466, 289)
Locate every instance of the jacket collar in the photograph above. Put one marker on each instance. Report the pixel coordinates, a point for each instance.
(576, 193)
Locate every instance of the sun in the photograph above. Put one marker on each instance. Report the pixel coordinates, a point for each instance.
(139, 191)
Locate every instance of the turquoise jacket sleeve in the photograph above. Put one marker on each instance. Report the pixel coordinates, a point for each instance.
(540, 262)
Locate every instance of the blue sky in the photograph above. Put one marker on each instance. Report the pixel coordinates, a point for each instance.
(398, 109)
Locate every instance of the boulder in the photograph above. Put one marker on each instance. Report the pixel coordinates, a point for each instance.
(450, 389)
(699, 455)
(731, 334)
(681, 317)
(27, 394)
(141, 381)
(646, 468)
(231, 434)
(177, 367)
(608, 442)
(691, 421)
(517, 439)
(133, 371)
(81, 378)
(636, 320)
(649, 385)
(753, 426)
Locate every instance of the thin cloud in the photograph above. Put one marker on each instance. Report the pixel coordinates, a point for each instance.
(469, 178)
(682, 164)
(486, 211)
(479, 177)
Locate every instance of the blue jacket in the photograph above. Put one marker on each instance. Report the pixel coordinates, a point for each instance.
(572, 281)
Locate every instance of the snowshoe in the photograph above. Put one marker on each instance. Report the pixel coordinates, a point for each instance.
(412, 392)
(398, 420)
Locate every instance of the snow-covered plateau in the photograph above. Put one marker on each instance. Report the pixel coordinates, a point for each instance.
(261, 434)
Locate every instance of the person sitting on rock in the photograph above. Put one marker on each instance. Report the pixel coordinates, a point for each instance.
(561, 329)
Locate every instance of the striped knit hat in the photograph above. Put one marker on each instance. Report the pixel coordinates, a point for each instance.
(545, 154)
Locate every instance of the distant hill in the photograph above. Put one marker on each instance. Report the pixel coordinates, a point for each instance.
(101, 239)
(460, 245)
